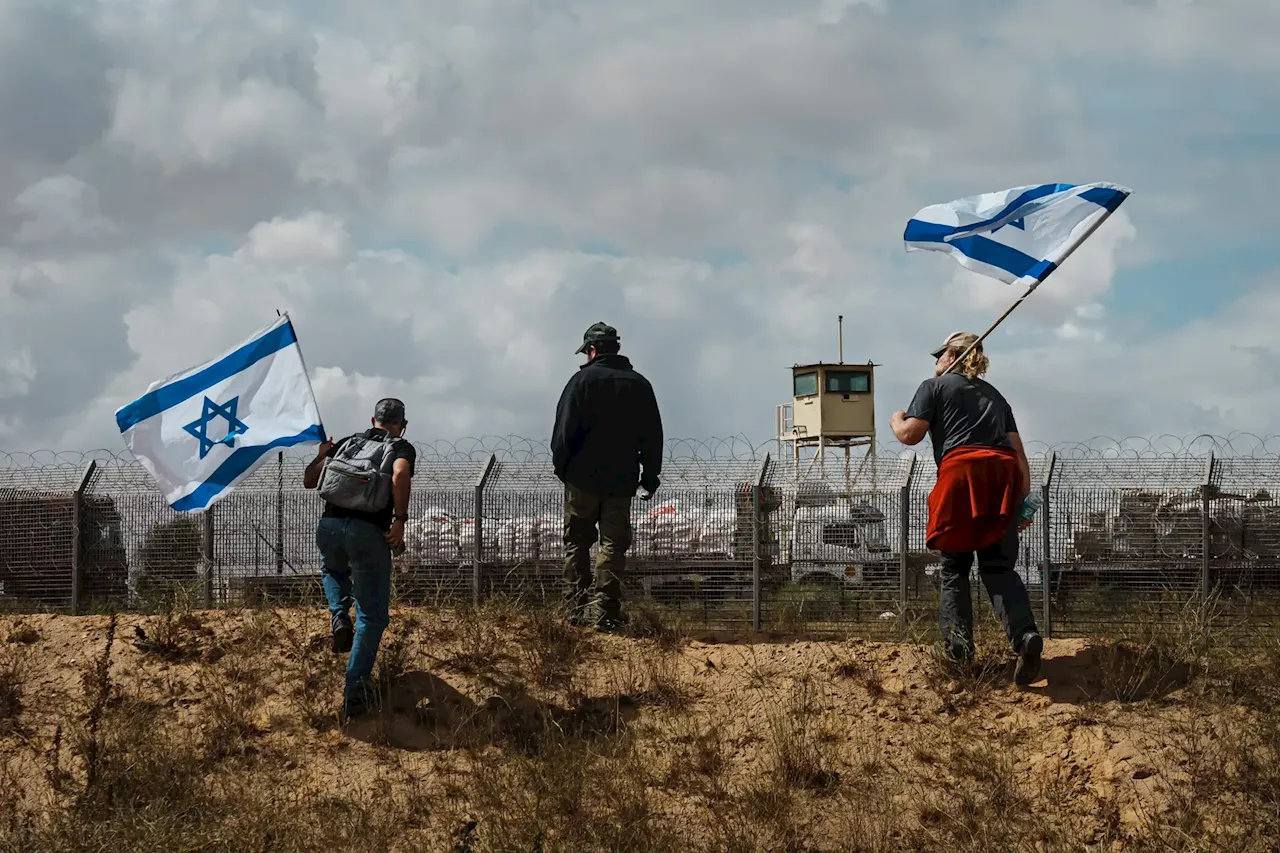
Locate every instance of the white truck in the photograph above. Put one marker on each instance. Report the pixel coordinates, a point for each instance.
(836, 539)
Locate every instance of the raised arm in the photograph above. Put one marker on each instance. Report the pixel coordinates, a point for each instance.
(311, 476)
(908, 430)
(911, 426)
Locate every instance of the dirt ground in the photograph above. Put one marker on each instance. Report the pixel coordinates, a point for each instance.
(505, 730)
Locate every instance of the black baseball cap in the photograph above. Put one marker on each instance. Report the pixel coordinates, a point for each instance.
(599, 333)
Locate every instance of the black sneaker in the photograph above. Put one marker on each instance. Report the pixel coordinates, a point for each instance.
(351, 711)
(343, 636)
(1028, 669)
(366, 701)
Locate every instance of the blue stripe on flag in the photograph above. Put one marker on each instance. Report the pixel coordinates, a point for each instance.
(167, 396)
(933, 232)
(919, 231)
(1103, 197)
(1004, 257)
(1028, 196)
(236, 464)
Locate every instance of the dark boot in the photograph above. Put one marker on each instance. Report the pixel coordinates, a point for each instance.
(1029, 657)
(343, 635)
(611, 621)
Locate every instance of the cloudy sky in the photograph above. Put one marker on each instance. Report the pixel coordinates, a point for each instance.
(445, 195)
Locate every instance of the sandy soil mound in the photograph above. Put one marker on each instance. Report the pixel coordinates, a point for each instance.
(503, 730)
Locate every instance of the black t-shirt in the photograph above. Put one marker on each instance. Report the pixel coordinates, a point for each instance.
(382, 519)
(962, 412)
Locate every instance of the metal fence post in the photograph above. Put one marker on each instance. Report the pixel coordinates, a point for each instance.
(1205, 487)
(757, 539)
(77, 541)
(477, 557)
(280, 513)
(904, 535)
(207, 552)
(1046, 541)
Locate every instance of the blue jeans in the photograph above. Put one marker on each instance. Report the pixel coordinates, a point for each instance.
(355, 565)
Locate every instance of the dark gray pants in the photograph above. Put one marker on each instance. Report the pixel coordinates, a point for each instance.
(1004, 587)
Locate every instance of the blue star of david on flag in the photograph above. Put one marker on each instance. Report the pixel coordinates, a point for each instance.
(200, 426)
(263, 380)
(1047, 222)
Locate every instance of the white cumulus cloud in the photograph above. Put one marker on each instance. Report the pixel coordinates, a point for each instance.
(445, 197)
(315, 238)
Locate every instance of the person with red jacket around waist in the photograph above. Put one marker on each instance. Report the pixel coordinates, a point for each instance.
(983, 478)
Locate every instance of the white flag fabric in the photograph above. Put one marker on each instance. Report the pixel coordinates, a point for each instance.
(202, 431)
(1015, 235)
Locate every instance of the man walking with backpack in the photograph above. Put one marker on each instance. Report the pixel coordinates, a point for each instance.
(364, 480)
(607, 428)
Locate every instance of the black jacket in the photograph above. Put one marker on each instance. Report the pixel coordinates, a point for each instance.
(607, 427)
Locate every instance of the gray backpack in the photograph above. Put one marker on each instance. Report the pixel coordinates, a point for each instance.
(358, 476)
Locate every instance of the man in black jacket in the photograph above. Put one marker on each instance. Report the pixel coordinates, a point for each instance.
(607, 429)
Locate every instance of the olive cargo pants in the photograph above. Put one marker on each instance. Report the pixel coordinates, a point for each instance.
(583, 512)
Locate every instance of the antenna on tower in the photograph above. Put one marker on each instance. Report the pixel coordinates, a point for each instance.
(840, 337)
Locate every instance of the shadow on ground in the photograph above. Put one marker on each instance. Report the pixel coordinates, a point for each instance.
(424, 712)
(1117, 672)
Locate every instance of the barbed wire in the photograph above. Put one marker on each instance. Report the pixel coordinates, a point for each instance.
(737, 448)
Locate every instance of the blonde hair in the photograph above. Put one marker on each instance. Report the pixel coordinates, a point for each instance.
(975, 364)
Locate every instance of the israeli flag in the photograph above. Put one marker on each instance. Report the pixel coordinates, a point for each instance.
(202, 431)
(1016, 235)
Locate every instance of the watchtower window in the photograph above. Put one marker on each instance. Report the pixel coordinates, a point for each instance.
(848, 382)
(806, 384)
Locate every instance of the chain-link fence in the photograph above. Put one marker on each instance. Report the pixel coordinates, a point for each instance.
(737, 536)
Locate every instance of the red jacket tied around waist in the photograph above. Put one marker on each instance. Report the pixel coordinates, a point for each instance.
(977, 494)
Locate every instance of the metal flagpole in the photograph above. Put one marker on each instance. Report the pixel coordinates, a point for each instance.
(305, 371)
(1034, 285)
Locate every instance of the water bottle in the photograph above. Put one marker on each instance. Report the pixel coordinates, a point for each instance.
(1030, 505)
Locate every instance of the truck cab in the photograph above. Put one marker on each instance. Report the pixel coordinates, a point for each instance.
(837, 538)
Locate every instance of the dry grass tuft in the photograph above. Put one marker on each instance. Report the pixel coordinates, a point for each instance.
(173, 635)
(569, 795)
(232, 694)
(648, 674)
(477, 637)
(670, 631)
(552, 650)
(796, 742)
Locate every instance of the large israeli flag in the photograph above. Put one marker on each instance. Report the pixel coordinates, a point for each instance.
(1016, 235)
(202, 431)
